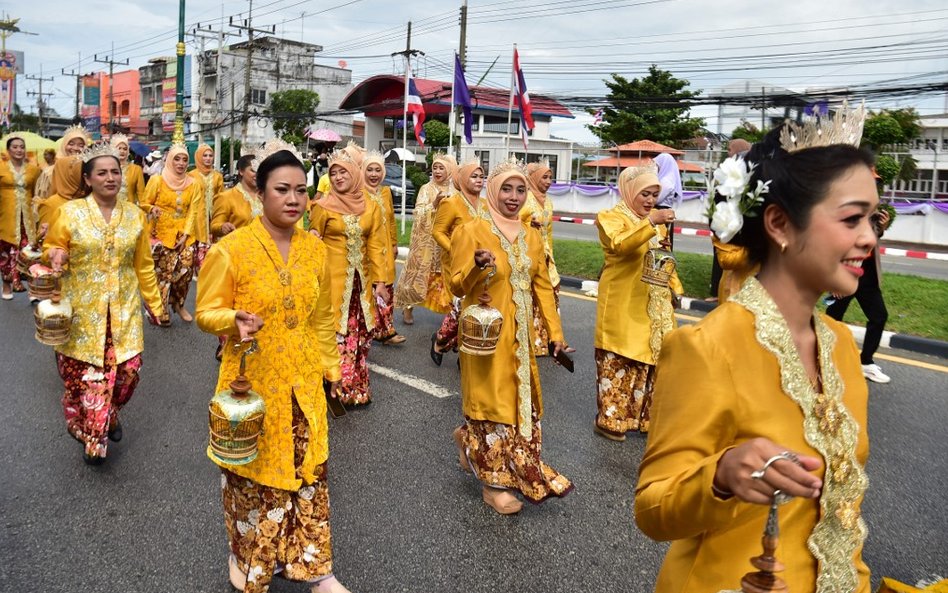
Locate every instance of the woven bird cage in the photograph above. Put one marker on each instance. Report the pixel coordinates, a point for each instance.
(479, 325)
(235, 418)
(28, 257)
(53, 319)
(660, 264)
(44, 282)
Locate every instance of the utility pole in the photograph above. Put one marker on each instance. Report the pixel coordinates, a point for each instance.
(408, 54)
(247, 25)
(110, 60)
(203, 33)
(462, 46)
(40, 101)
(78, 77)
(230, 166)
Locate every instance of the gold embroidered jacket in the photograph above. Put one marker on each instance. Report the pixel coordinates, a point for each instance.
(542, 214)
(16, 201)
(383, 199)
(180, 214)
(452, 212)
(133, 183)
(235, 206)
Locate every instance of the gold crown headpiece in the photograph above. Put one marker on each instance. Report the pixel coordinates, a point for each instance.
(373, 155)
(471, 161)
(77, 129)
(117, 139)
(443, 156)
(511, 164)
(271, 147)
(635, 171)
(341, 156)
(844, 127)
(98, 149)
(543, 163)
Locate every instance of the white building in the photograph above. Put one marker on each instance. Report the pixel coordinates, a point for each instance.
(930, 151)
(276, 65)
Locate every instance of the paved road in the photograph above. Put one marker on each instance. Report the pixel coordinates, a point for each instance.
(927, 268)
(405, 518)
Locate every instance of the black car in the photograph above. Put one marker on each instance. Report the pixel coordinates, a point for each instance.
(393, 179)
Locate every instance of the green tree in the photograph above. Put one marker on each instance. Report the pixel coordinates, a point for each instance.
(908, 121)
(654, 107)
(437, 134)
(747, 131)
(881, 129)
(292, 111)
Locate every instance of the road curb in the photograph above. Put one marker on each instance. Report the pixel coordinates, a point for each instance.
(906, 342)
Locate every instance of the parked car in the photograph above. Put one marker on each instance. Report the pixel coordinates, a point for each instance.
(393, 179)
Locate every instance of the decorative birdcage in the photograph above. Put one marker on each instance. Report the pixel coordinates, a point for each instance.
(479, 325)
(28, 257)
(660, 264)
(235, 417)
(44, 282)
(53, 318)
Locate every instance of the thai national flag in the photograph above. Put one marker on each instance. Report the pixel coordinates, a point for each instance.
(522, 98)
(417, 109)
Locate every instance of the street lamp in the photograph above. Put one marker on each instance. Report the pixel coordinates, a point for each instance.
(178, 135)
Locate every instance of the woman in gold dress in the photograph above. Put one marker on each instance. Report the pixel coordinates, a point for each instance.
(538, 212)
(765, 394)
(270, 281)
(421, 282)
(74, 141)
(104, 240)
(174, 202)
(133, 180)
(236, 207)
(351, 227)
(632, 316)
(17, 223)
(463, 206)
(500, 440)
(66, 184)
(213, 183)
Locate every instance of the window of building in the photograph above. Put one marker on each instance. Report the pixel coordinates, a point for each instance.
(498, 125)
(126, 106)
(484, 157)
(258, 96)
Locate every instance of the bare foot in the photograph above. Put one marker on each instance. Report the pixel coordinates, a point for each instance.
(329, 585)
(501, 500)
(237, 578)
(183, 314)
(408, 318)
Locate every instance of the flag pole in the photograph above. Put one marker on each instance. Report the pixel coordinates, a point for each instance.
(453, 122)
(405, 140)
(510, 107)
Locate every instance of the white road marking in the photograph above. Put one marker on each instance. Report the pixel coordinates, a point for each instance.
(412, 381)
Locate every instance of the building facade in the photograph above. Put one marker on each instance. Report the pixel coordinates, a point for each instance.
(930, 151)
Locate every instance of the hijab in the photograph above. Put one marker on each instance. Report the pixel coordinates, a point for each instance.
(461, 175)
(535, 173)
(71, 133)
(353, 200)
(199, 162)
(450, 166)
(115, 141)
(175, 181)
(67, 177)
(370, 158)
(355, 152)
(633, 180)
(509, 227)
(670, 179)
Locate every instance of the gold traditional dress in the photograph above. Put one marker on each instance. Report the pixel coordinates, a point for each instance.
(753, 384)
(541, 214)
(213, 183)
(17, 221)
(66, 181)
(276, 508)
(133, 183)
(236, 206)
(110, 270)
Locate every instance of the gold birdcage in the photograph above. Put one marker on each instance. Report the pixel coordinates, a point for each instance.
(660, 264)
(44, 282)
(235, 418)
(479, 325)
(53, 318)
(28, 257)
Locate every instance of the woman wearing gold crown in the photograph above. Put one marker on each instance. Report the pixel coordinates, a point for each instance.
(351, 227)
(133, 179)
(782, 402)
(270, 281)
(104, 241)
(632, 316)
(17, 223)
(213, 183)
(174, 202)
(421, 282)
(463, 206)
(73, 142)
(373, 173)
(500, 440)
(538, 211)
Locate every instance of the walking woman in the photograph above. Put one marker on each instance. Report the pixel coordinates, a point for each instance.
(104, 241)
(74, 141)
(464, 206)
(538, 212)
(236, 207)
(66, 185)
(500, 439)
(782, 401)
(269, 281)
(421, 282)
(17, 223)
(351, 227)
(632, 316)
(213, 183)
(373, 173)
(133, 180)
(175, 205)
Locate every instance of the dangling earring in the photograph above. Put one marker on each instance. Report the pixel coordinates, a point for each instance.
(783, 247)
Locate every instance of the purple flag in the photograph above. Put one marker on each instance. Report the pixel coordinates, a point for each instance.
(462, 97)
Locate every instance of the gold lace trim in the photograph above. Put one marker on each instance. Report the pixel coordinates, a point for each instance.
(523, 301)
(19, 190)
(830, 429)
(354, 243)
(256, 206)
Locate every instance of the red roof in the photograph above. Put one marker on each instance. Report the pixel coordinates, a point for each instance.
(645, 147)
(383, 96)
(632, 161)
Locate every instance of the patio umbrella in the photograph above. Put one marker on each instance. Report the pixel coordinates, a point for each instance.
(323, 135)
(140, 148)
(34, 142)
(401, 154)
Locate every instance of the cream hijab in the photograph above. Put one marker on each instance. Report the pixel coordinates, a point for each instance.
(71, 133)
(352, 201)
(370, 158)
(509, 227)
(633, 180)
(450, 166)
(535, 173)
(175, 181)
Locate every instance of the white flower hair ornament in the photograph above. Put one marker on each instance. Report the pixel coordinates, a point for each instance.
(731, 180)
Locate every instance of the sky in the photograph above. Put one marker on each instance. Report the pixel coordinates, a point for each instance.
(567, 47)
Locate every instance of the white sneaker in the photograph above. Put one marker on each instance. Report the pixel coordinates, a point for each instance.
(874, 373)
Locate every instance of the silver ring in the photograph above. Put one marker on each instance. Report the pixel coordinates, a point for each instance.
(780, 498)
(759, 474)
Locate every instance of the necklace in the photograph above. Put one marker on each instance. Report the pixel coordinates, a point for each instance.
(108, 233)
(290, 319)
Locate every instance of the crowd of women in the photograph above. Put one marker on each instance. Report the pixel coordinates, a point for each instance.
(762, 401)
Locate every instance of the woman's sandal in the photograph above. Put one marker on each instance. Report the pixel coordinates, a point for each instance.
(501, 500)
(393, 339)
(436, 356)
